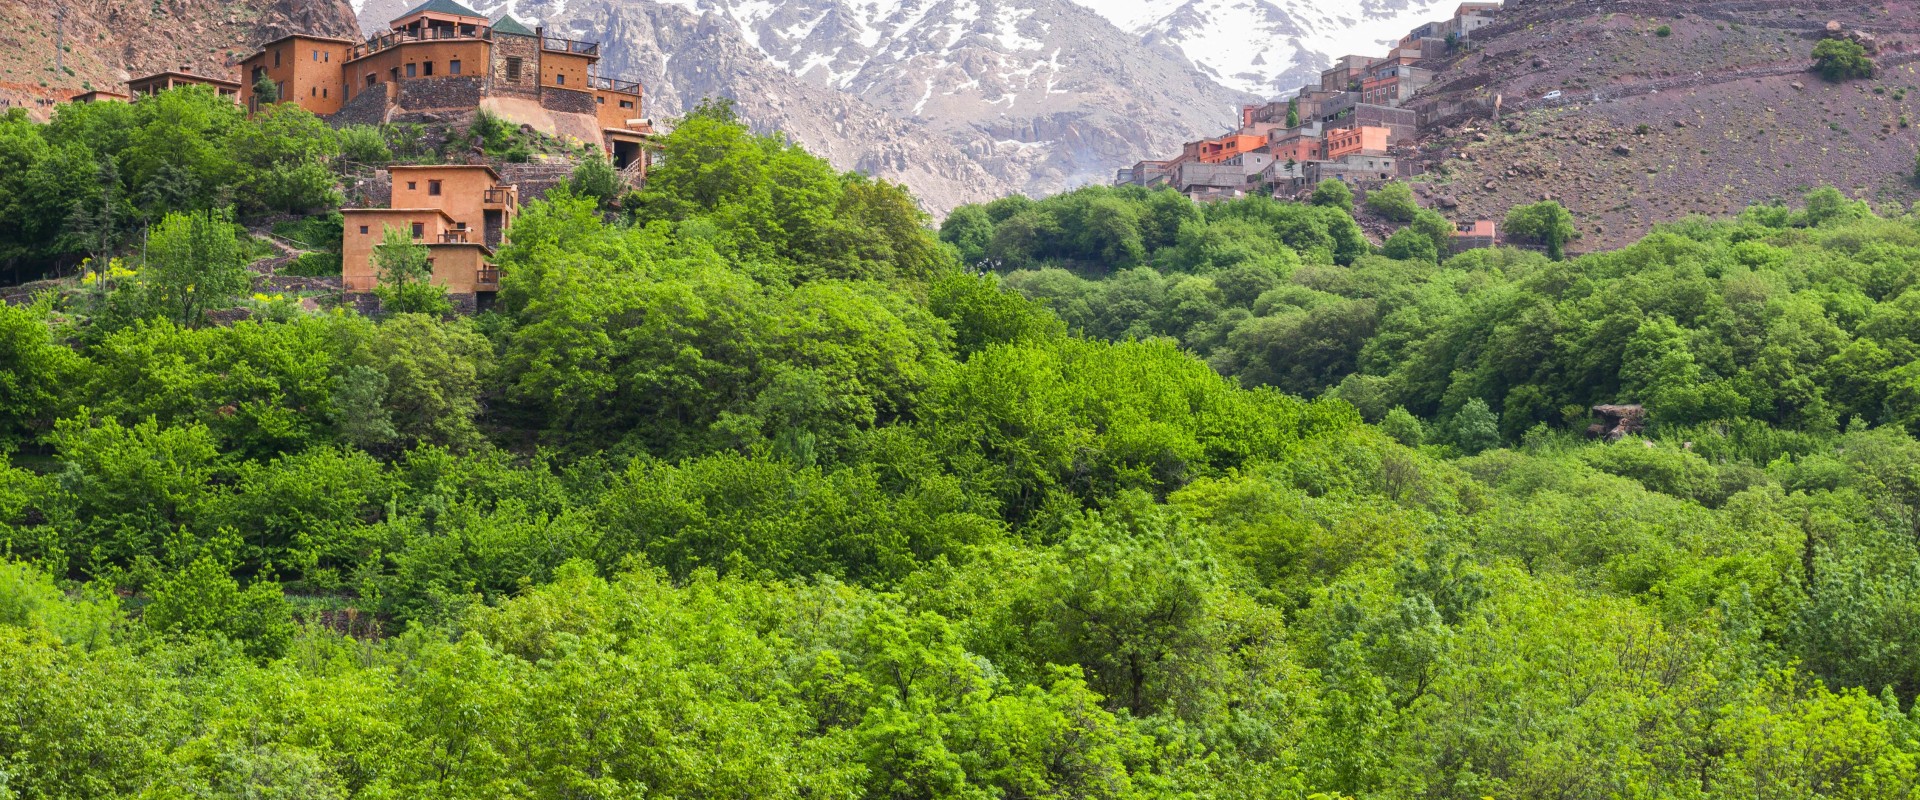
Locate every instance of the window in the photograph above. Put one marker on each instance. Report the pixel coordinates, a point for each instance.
(276, 58)
(326, 58)
(433, 188)
(600, 100)
(560, 79)
(453, 67)
(427, 69)
(316, 55)
(372, 79)
(323, 94)
(313, 91)
(419, 230)
(363, 230)
(626, 104)
(395, 72)
(412, 70)
(513, 68)
(411, 185)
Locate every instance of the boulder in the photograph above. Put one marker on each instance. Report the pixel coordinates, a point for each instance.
(1618, 421)
(1621, 149)
(1446, 201)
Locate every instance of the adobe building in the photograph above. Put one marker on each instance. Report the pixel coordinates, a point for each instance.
(101, 96)
(457, 211)
(442, 58)
(184, 76)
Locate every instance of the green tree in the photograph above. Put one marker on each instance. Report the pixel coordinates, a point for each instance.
(1408, 244)
(1293, 112)
(406, 276)
(1333, 194)
(595, 178)
(1394, 201)
(194, 263)
(1474, 427)
(1547, 223)
(1840, 60)
(266, 91)
(203, 599)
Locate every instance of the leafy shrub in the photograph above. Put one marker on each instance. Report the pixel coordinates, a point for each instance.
(1839, 60)
(1393, 201)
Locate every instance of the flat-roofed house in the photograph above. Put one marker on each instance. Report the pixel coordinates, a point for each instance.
(459, 212)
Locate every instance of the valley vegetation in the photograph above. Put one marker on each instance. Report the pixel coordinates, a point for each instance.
(756, 488)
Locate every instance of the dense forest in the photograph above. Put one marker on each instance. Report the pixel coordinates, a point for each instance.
(752, 486)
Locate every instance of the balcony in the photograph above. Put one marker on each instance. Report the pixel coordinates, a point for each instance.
(454, 237)
(574, 46)
(605, 83)
(392, 39)
(499, 196)
(486, 279)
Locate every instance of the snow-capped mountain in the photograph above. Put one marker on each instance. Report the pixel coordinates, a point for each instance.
(1270, 47)
(1034, 95)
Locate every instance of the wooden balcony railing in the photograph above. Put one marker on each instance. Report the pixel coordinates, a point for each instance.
(391, 39)
(499, 196)
(454, 237)
(613, 84)
(575, 46)
(487, 277)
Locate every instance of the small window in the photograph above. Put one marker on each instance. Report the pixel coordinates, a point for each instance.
(433, 188)
(323, 94)
(600, 100)
(372, 79)
(626, 104)
(412, 185)
(276, 58)
(513, 68)
(363, 230)
(313, 91)
(326, 58)
(427, 69)
(316, 55)
(419, 230)
(412, 70)
(560, 79)
(453, 67)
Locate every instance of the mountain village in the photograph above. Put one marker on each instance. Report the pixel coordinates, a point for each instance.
(438, 61)
(1352, 126)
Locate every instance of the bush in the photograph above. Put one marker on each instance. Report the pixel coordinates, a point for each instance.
(1394, 201)
(1333, 194)
(204, 599)
(1838, 60)
(365, 144)
(1663, 31)
(1408, 244)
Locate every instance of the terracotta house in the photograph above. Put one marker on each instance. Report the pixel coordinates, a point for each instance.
(162, 81)
(458, 211)
(444, 56)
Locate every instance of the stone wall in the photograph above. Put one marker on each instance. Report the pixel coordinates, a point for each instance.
(525, 48)
(434, 93)
(567, 101)
(366, 108)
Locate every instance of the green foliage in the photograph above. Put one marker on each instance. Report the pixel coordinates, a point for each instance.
(690, 516)
(1546, 223)
(1393, 201)
(1841, 60)
(364, 144)
(1333, 194)
(595, 178)
(194, 263)
(406, 276)
(1663, 31)
(201, 598)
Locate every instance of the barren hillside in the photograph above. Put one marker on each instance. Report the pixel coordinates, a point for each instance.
(1664, 114)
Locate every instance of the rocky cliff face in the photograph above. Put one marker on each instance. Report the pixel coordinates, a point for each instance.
(53, 49)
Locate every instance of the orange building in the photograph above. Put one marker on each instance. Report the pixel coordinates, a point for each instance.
(101, 96)
(459, 212)
(1214, 151)
(303, 69)
(171, 79)
(442, 55)
(1296, 148)
(1356, 141)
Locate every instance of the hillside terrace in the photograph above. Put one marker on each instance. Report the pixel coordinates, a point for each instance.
(1344, 128)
